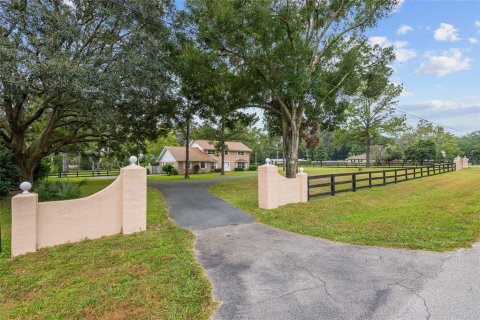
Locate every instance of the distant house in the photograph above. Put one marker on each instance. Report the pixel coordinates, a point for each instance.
(204, 158)
(361, 158)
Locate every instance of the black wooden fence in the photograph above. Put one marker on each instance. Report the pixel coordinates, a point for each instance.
(331, 184)
(86, 173)
(349, 164)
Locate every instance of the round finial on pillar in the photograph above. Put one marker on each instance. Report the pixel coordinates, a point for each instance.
(25, 186)
(133, 160)
(268, 161)
(301, 169)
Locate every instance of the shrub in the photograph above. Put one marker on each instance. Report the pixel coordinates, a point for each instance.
(174, 172)
(8, 171)
(196, 169)
(238, 169)
(217, 170)
(252, 168)
(41, 171)
(60, 190)
(168, 168)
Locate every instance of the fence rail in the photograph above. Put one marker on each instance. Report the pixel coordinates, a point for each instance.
(348, 164)
(86, 173)
(331, 184)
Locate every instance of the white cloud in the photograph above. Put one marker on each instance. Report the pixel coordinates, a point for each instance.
(402, 52)
(446, 32)
(399, 5)
(459, 113)
(405, 93)
(462, 104)
(378, 40)
(477, 24)
(404, 29)
(445, 63)
(473, 40)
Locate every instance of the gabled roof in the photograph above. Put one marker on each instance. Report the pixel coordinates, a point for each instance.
(231, 145)
(179, 154)
(362, 156)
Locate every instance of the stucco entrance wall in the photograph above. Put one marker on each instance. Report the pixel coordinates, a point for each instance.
(119, 208)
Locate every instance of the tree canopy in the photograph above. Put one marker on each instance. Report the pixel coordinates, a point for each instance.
(80, 71)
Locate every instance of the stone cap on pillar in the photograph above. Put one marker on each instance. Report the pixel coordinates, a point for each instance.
(25, 186)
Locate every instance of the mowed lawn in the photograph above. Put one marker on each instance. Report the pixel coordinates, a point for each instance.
(148, 275)
(436, 213)
(200, 176)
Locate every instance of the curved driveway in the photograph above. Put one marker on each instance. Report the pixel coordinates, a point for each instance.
(259, 272)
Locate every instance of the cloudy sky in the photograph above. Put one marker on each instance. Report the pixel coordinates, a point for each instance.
(437, 45)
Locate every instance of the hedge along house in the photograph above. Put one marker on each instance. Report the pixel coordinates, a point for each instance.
(204, 158)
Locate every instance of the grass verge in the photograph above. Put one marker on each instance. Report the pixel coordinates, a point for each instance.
(147, 275)
(435, 213)
(200, 176)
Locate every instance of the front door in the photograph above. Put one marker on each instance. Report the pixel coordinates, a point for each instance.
(226, 166)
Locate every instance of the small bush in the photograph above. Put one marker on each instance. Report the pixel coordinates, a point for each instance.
(42, 170)
(168, 168)
(252, 168)
(217, 170)
(174, 172)
(196, 169)
(360, 169)
(238, 169)
(59, 190)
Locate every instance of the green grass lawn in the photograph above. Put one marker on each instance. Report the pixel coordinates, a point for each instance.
(436, 213)
(200, 176)
(147, 275)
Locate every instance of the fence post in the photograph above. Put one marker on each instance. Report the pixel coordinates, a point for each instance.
(354, 182)
(369, 179)
(384, 178)
(395, 176)
(24, 221)
(332, 185)
(406, 174)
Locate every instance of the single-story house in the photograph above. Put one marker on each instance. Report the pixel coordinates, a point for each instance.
(361, 158)
(205, 158)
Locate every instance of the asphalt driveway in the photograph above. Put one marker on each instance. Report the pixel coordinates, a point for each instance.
(259, 272)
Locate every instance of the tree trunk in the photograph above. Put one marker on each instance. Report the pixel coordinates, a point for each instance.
(64, 162)
(26, 169)
(187, 148)
(291, 140)
(368, 145)
(222, 146)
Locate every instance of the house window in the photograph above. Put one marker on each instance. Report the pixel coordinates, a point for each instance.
(203, 165)
(241, 165)
(241, 153)
(213, 165)
(211, 151)
(185, 165)
(226, 152)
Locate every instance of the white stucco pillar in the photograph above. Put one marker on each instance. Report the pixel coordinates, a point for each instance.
(24, 221)
(134, 198)
(303, 188)
(268, 186)
(464, 162)
(458, 163)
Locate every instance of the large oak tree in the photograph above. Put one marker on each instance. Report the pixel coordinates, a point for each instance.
(300, 54)
(81, 71)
